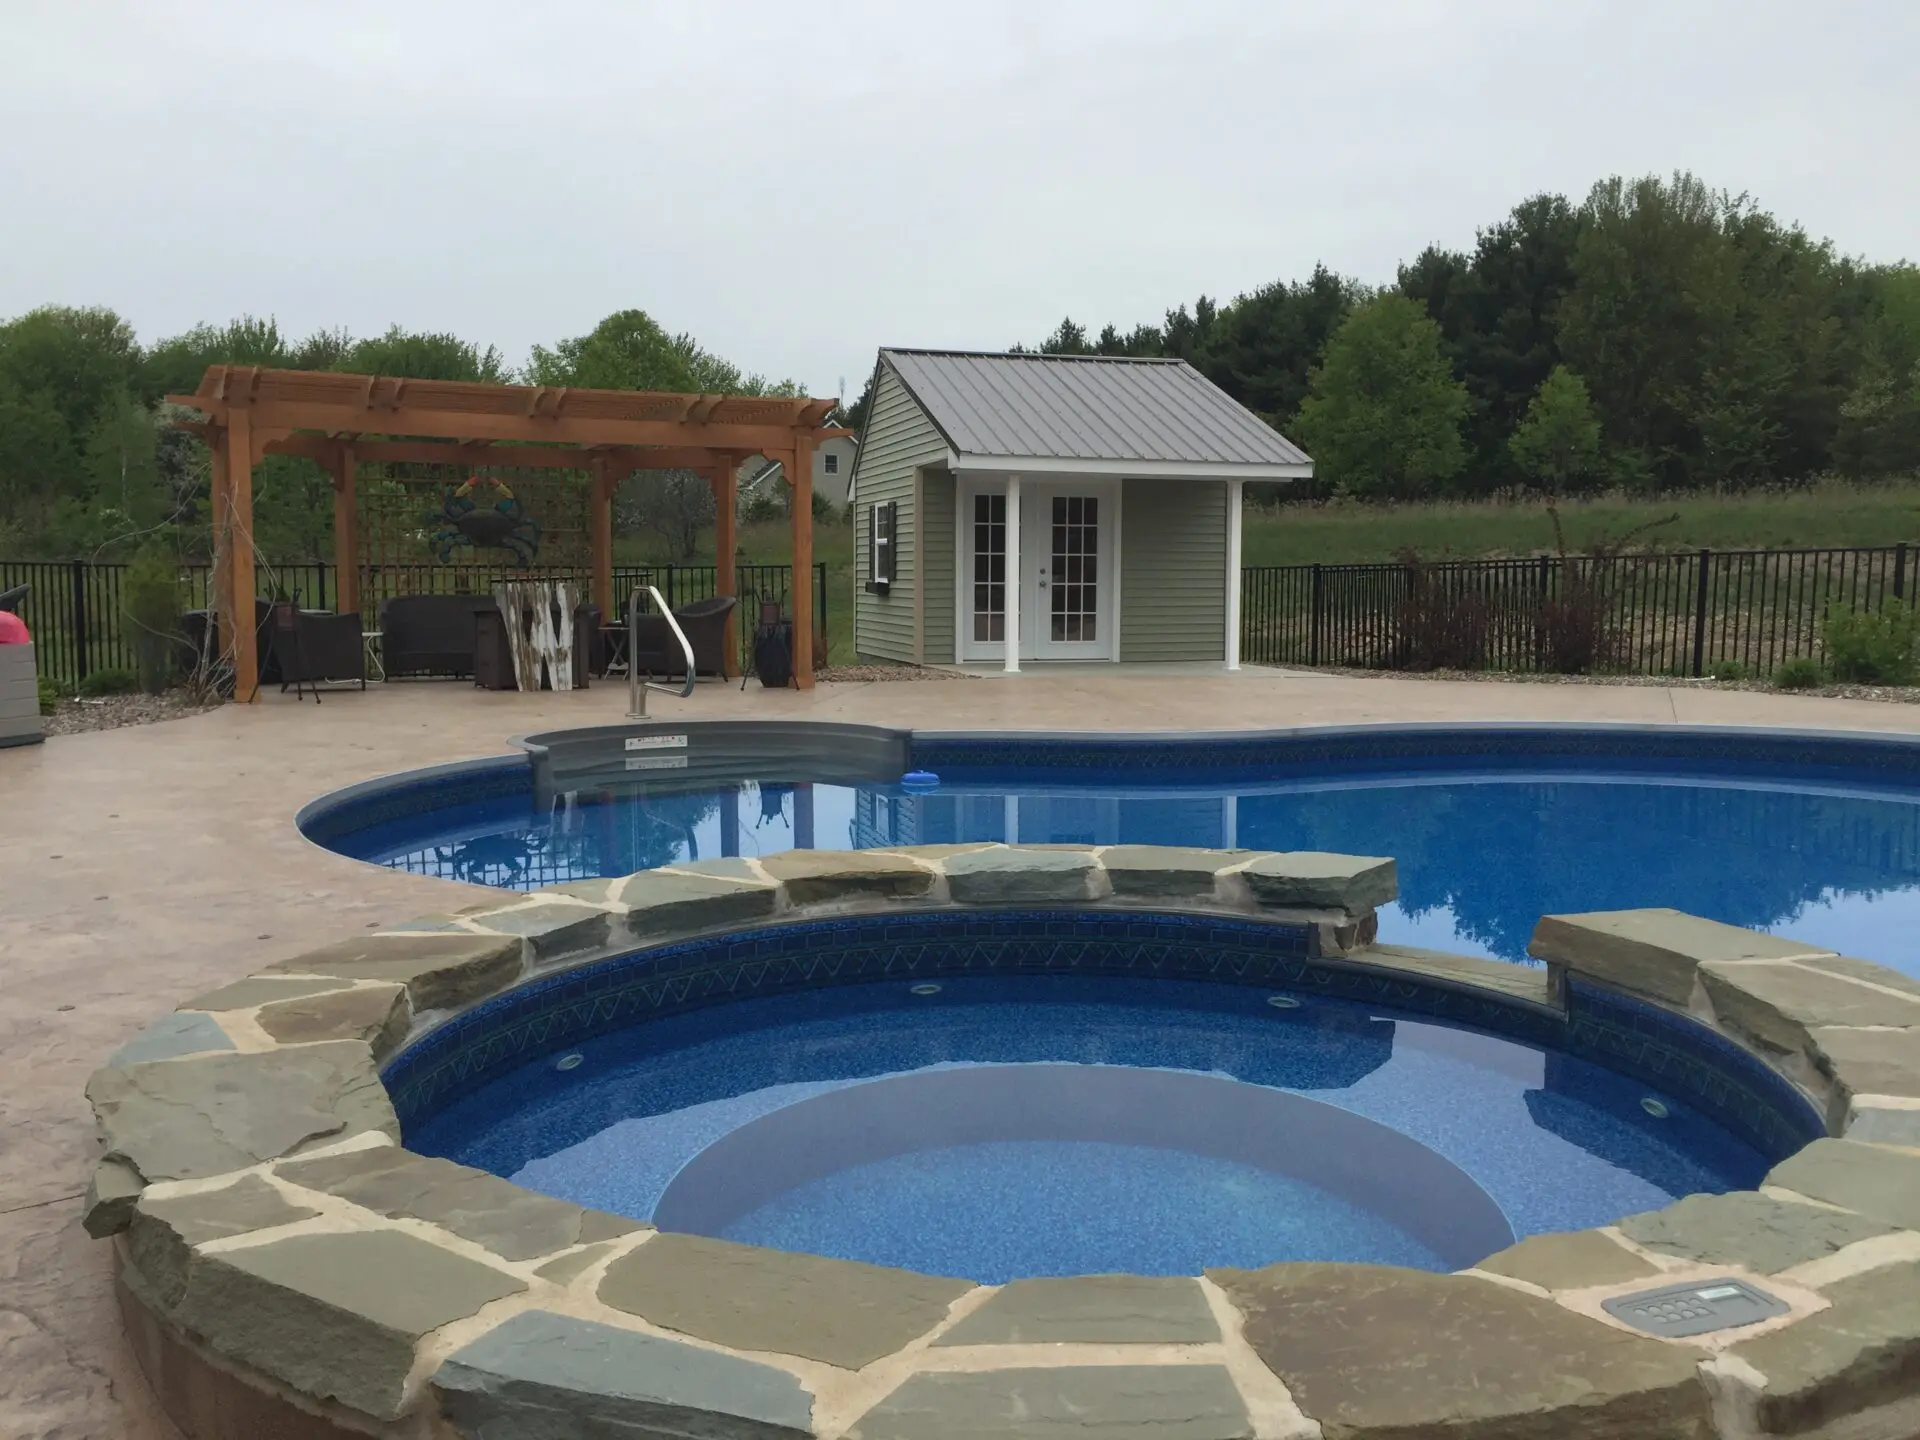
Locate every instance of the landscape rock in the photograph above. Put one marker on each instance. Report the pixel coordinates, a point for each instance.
(741, 1296)
(1752, 1231)
(1523, 982)
(171, 1036)
(1154, 872)
(1871, 1180)
(112, 1190)
(539, 1375)
(552, 927)
(209, 1114)
(514, 1223)
(1884, 1124)
(440, 971)
(1651, 952)
(1861, 1352)
(1091, 1309)
(662, 903)
(260, 990)
(1020, 875)
(819, 877)
(336, 1316)
(161, 1239)
(1088, 1402)
(1370, 1351)
(1313, 878)
(1569, 1260)
(1870, 1062)
(1778, 1004)
(377, 1014)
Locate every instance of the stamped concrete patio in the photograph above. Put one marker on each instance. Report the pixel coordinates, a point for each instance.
(144, 865)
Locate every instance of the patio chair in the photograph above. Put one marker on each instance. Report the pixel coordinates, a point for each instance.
(311, 646)
(10, 600)
(656, 652)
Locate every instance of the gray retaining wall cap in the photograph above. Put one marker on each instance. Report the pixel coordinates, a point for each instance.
(1087, 1402)
(1755, 1232)
(1651, 952)
(540, 1375)
(1873, 1180)
(440, 970)
(171, 1036)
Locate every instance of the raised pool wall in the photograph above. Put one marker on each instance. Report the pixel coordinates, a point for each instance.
(288, 1269)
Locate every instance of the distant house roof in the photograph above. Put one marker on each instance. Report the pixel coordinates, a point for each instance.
(1091, 412)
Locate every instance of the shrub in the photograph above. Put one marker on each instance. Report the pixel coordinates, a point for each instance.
(1801, 674)
(111, 681)
(1440, 626)
(1872, 647)
(1578, 627)
(150, 601)
(51, 693)
(1728, 670)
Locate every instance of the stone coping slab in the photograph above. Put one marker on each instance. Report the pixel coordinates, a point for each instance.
(269, 1220)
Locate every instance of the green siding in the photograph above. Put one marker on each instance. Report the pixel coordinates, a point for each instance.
(937, 493)
(1173, 562)
(899, 439)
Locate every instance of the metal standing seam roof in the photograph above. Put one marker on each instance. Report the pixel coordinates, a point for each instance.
(1087, 407)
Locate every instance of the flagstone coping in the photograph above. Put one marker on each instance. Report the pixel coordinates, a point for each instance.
(268, 1221)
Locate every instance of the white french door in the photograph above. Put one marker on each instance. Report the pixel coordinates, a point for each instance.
(1065, 572)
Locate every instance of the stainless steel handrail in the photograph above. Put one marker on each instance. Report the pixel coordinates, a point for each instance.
(636, 691)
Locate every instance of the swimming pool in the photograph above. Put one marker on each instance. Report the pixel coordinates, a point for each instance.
(1809, 836)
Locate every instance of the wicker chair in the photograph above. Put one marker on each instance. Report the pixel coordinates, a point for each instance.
(705, 623)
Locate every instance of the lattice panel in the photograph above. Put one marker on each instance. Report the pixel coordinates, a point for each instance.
(448, 529)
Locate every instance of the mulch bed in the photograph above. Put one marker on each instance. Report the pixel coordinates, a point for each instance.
(1896, 694)
(111, 712)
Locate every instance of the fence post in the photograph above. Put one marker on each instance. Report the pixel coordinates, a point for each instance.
(79, 621)
(1313, 619)
(670, 602)
(1700, 616)
(1900, 571)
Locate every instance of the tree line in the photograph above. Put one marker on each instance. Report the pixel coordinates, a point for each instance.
(1658, 336)
(91, 464)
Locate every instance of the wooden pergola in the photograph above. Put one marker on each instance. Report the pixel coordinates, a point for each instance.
(342, 420)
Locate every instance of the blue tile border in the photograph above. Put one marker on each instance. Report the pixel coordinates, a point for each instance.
(560, 1011)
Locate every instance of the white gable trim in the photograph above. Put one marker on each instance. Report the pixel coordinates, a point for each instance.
(1139, 469)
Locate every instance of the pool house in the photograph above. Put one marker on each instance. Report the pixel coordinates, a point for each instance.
(1022, 508)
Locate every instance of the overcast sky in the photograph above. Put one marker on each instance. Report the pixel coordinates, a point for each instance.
(799, 183)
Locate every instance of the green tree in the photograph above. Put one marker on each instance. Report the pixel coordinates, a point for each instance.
(1496, 309)
(1262, 348)
(417, 355)
(630, 351)
(1557, 444)
(1383, 414)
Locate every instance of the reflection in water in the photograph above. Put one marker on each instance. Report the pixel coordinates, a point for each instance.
(1481, 858)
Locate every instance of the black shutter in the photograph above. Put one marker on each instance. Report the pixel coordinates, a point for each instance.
(892, 508)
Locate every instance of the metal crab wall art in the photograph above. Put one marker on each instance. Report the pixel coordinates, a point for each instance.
(482, 514)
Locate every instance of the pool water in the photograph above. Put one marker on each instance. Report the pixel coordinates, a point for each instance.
(1043, 1125)
(1481, 856)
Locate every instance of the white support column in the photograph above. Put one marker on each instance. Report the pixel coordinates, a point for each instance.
(1016, 576)
(1233, 574)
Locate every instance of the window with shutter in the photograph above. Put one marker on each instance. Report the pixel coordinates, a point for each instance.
(880, 523)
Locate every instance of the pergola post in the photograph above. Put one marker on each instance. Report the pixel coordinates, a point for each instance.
(800, 476)
(220, 595)
(603, 540)
(240, 578)
(346, 557)
(726, 579)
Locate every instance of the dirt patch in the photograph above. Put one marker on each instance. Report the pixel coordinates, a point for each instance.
(864, 674)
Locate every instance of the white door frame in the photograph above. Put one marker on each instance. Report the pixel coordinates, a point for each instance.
(1024, 608)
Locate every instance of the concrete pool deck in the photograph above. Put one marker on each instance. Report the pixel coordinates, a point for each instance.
(147, 864)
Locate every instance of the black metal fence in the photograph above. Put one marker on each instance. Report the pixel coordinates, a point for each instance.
(75, 613)
(1679, 614)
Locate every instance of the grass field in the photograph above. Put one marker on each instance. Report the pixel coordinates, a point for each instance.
(1823, 515)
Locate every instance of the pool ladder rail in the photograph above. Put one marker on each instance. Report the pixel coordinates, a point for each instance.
(636, 687)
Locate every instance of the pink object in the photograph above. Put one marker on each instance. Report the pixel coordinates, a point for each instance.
(13, 630)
